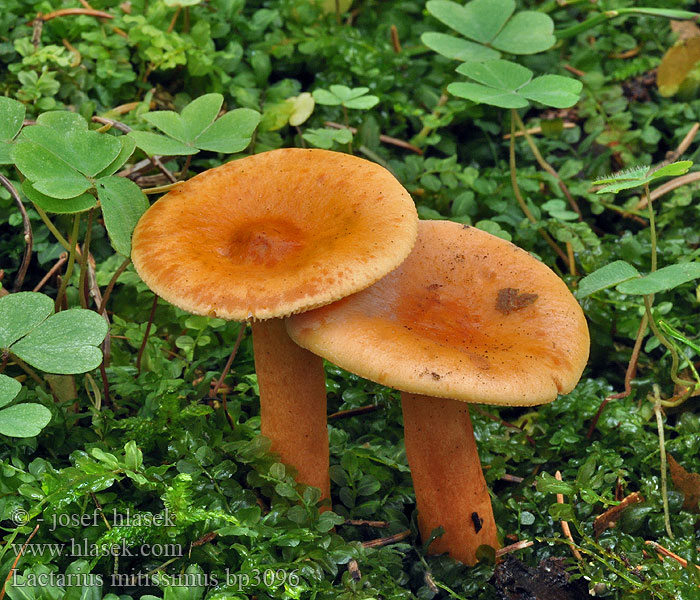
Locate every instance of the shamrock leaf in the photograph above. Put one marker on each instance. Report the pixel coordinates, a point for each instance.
(20, 420)
(197, 128)
(64, 343)
(325, 138)
(342, 95)
(11, 119)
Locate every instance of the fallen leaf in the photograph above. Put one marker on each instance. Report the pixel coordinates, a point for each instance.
(685, 30)
(688, 483)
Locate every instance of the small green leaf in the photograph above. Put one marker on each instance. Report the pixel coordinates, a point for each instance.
(664, 279)
(487, 95)
(553, 90)
(11, 118)
(20, 313)
(303, 107)
(605, 277)
(456, 48)
(503, 75)
(65, 343)
(153, 143)
(325, 97)
(528, 32)
(230, 133)
(479, 20)
(200, 114)
(9, 388)
(325, 138)
(24, 420)
(58, 205)
(63, 120)
(169, 122)
(362, 103)
(127, 149)
(673, 170)
(123, 203)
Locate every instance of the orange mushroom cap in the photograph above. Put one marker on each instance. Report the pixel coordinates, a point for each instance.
(467, 316)
(275, 233)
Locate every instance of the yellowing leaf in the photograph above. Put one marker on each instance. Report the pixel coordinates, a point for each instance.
(676, 66)
(688, 483)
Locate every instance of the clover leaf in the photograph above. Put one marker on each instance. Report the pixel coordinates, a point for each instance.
(197, 128)
(11, 119)
(490, 28)
(507, 84)
(63, 343)
(342, 95)
(20, 420)
(325, 137)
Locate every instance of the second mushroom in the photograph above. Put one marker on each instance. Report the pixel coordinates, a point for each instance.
(468, 317)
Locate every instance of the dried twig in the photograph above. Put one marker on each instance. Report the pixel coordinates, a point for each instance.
(352, 412)
(358, 522)
(62, 258)
(521, 545)
(565, 526)
(535, 130)
(382, 138)
(385, 541)
(14, 564)
(28, 237)
(611, 516)
(229, 362)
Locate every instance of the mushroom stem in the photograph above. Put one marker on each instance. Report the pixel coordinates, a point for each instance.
(292, 402)
(450, 487)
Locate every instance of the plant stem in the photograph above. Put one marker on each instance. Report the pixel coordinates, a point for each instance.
(28, 370)
(146, 334)
(71, 261)
(84, 260)
(652, 227)
(662, 453)
(229, 362)
(122, 267)
(51, 227)
(521, 201)
(545, 165)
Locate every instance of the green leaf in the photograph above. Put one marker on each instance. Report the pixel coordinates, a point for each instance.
(487, 95)
(123, 203)
(605, 277)
(65, 343)
(127, 149)
(527, 32)
(200, 114)
(303, 107)
(673, 170)
(24, 420)
(11, 118)
(9, 388)
(63, 120)
(664, 279)
(230, 133)
(479, 20)
(20, 313)
(501, 74)
(58, 205)
(458, 48)
(641, 175)
(50, 174)
(153, 143)
(553, 90)
(362, 103)
(325, 97)
(169, 122)
(325, 138)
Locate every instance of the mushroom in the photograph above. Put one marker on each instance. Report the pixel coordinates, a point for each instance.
(272, 234)
(467, 317)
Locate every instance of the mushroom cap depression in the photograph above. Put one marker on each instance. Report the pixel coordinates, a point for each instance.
(275, 233)
(467, 316)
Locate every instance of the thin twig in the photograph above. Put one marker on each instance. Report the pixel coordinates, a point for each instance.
(385, 541)
(665, 552)
(352, 412)
(521, 545)
(63, 257)
(521, 201)
(19, 555)
(662, 454)
(229, 362)
(123, 127)
(28, 237)
(536, 130)
(546, 166)
(122, 267)
(358, 522)
(382, 138)
(146, 334)
(395, 42)
(683, 146)
(669, 186)
(629, 374)
(565, 526)
(64, 12)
